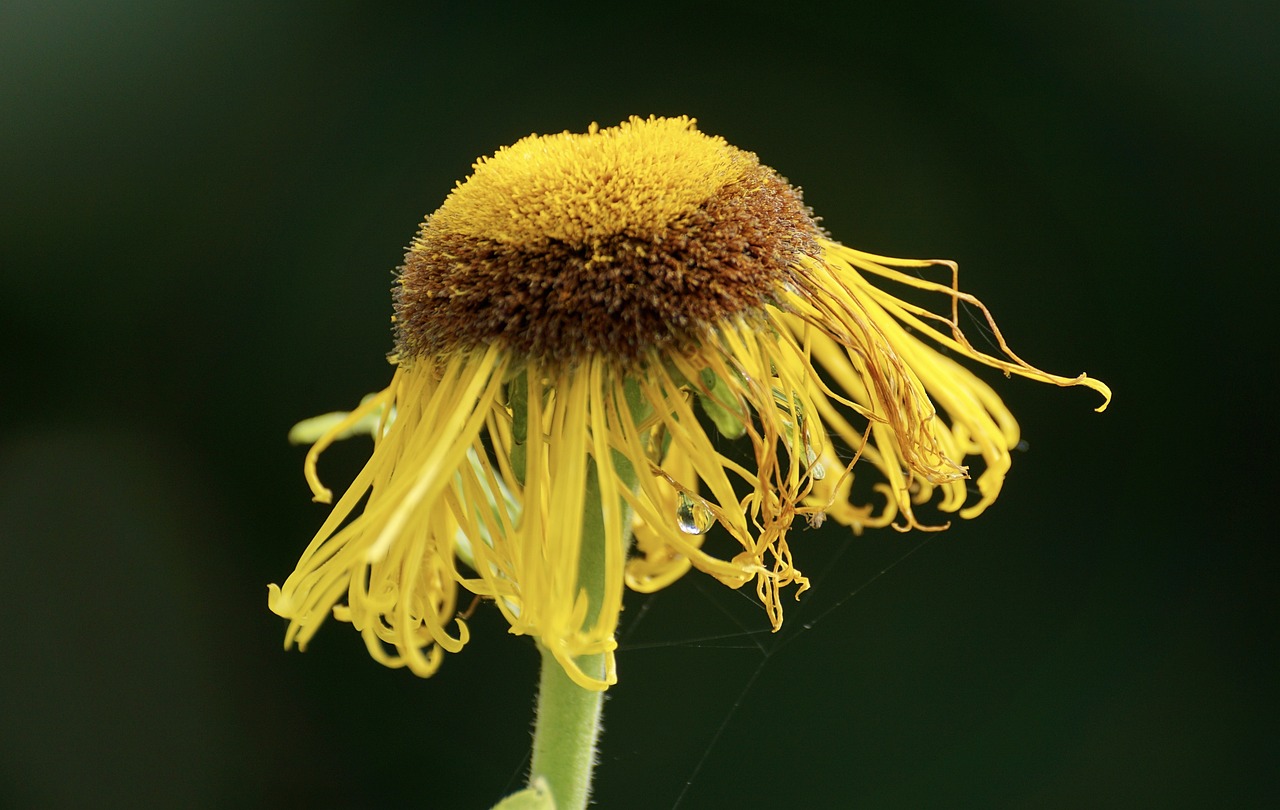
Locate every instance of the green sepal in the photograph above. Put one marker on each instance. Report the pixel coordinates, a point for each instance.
(518, 402)
(713, 392)
(309, 431)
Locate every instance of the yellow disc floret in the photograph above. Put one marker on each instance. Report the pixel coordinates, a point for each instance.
(633, 179)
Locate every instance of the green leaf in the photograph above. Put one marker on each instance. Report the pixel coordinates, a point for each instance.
(535, 797)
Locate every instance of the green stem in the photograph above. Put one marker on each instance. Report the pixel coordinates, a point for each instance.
(568, 716)
(567, 729)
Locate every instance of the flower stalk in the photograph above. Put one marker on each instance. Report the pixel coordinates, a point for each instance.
(566, 731)
(567, 724)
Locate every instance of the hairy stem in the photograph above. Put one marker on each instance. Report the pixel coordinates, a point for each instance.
(568, 717)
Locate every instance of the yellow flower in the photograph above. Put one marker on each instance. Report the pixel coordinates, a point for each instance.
(560, 322)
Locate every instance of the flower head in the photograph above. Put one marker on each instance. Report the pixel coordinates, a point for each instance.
(573, 326)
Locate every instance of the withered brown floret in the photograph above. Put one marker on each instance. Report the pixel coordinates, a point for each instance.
(618, 295)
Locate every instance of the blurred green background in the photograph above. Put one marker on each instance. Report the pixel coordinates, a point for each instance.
(203, 204)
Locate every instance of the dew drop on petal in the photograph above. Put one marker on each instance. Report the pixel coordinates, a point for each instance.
(693, 516)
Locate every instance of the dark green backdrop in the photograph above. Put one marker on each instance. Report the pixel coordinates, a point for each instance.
(202, 207)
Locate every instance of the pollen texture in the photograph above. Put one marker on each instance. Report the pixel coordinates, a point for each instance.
(613, 242)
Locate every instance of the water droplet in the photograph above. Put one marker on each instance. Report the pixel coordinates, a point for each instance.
(693, 516)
